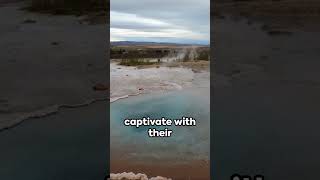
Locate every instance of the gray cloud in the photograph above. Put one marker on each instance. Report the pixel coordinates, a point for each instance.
(188, 20)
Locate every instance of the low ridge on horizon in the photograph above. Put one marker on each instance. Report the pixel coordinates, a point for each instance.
(156, 43)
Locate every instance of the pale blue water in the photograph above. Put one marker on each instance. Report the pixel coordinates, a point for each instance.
(186, 143)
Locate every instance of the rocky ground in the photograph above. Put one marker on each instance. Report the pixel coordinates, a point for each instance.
(134, 80)
(49, 61)
(266, 61)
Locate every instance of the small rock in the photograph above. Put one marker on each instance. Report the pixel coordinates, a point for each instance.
(55, 43)
(100, 87)
(196, 71)
(141, 89)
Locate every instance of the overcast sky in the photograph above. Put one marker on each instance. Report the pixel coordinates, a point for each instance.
(180, 21)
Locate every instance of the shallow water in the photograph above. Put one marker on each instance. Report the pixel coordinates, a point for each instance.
(69, 145)
(187, 143)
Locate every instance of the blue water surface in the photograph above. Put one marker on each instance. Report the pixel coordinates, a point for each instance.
(186, 142)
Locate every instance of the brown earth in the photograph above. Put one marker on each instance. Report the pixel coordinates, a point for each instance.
(275, 14)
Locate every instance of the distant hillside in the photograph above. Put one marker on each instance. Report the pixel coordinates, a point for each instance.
(136, 43)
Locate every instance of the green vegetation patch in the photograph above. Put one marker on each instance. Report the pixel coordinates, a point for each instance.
(136, 62)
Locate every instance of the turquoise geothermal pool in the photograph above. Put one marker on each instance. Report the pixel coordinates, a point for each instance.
(186, 142)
